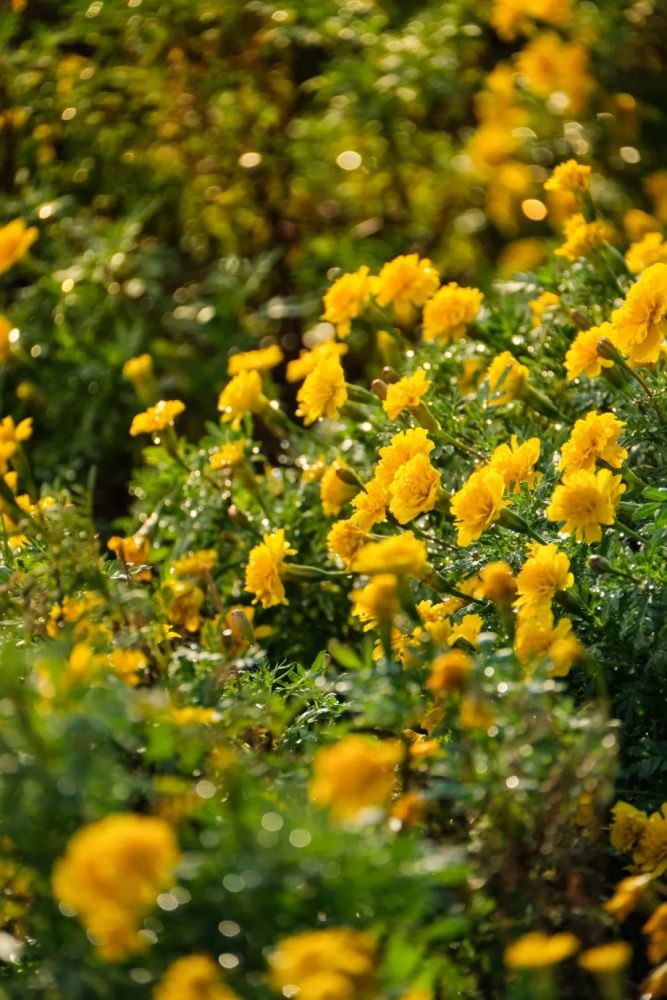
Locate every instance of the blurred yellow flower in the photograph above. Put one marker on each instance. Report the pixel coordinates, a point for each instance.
(265, 569)
(478, 504)
(184, 601)
(195, 977)
(582, 238)
(242, 395)
(406, 394)
(449, 672)
(544, 573)
(569, 176)
(343, 301)
(505, 378)
(138, 370)
(323, 392)
(15, 241)
(304, 364)
(628, 824)
(199, 563)
(651, 249)
(227, 455)
(651, 851)
(332, 964)
(606, 958)
(128, 664)
(157, 418)
(513, 17)
(450, 311)
(538, 638)
(656, 928)
(543, 303)
(355, 773)
(406, 283)
(133, 551)
(628, 893)
(497, 583)
(539, 951)
(5, 343)
(556, 71)
(401, 554)
(334, 492)
(376, 602)
(262, 360)
(585, 501)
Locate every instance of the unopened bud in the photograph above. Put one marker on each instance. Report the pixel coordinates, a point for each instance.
(580, 319)
(241, 625)
(390, 375)
(348, 477)
(606, 349)
(237, 515)
(598, 564)
(379, 387)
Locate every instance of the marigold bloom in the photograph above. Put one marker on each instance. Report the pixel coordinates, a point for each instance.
(476, 714)
(539, 951)
(655, 984)
(585, 501)
(497, 583)
(516, 463)
(199, 563)
(138, 370)
(227, 455)
(184, 601)
(406, 394)
(449, 312)
(261, 360)
(582, 238)
(582, 357)
(377, 601)
(556, 71)
(594, 438)
(436, 618)
(538, 638)
(513, 17)
(133, 551)
(303, 365)
(628, 893)
(355, 773)
(128, 664)
(265, 569)
(195, 977)
(334, 493)
(192, 715)
(343, 301)
(401, 554)
(370, 504)
(540, 305)
(656, 928)
(111, 874)
(15, 241)
(544, 573)
(651, 851)
(651, 249)
(406, 283)
(468, 628)
(449, 672)
(606, 958)
(242, 395)
(11, 436)
(640, 324)
(332, 964)
(505, 378)
(323, 392)
(157, 418)
(627, 826)
(569, 176)
(414, 489)
(345, 539)
(478, 504)
(401, 449)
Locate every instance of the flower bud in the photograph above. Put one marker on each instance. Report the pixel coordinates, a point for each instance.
(379, 387)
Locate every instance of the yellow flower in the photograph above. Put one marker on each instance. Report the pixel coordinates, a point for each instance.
(594, 438)
(195, 977)
(184, 601)
(406, 283)
(192, 715)
(651, 249)
(111, 874)
(414, 489)
(498, 583)
(199, 563)
(345, 539)
(354, 774)
(628, 893)
(5, 343)
(569, 176)
(262, 360)
(476, 714)
(406, 394)
(651, 851)
(513, 17)
(582, 357)
(537, 639)
(449, 672)
(556, 71)
(265, 569)
(516, 463)
(15, 241)
(138, 370)
(323, 392)
(582, 238)
(401, 554)
(334, 493)
(449, 312)
(640, 324)
(403, 447)
(470, 375)
(377, 601)
(332, 964)
(543, 302)
(133, 551)
(478, 504)
(628, 824)
(436, 618)
(303, 365)
(638, 223)
(242, 395)
(409, 809)
(227, 455)
(505, 378)
(157, 418)
(655, 984)
(128, 664)
(656, 928)
(370, 504)
(539, 951)
(606, 958)
(11, 436)
(468, 628)
(544, 573)
(585, 501)
(343, 301)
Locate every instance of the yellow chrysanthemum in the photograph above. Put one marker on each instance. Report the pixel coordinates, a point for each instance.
(651, 249)
(594, 438)
(343, 301)
(505, 378)
(582, 357)
(265, 569)
(184, 601)
(513, 17)
(468, 628)
(376, 602)
(650, 854)
(478, 504)
(449, 672)
(345, 539)
(15, 241)
(128, 664)
(227, 455)
(540, 305)
(538, 638)
(640, 324)
(300, 367)
(334, 493)
(138, 370)
(414, 489)
(401, 449)
(406, 394)
(406, 283)
(323, 392)
(497, 584)
(449, 312)
(199, 563)
(157, 418)
(556, 71)
(569, 176)
(332, 964)
(544, 573)
(585, 501)
(516, 463)
(582, 238)
(370, 504)
(262, 360)
(401, 554)
(242, 395)
(354, 774)
(195, 977)
(540, 951)
(627, 826)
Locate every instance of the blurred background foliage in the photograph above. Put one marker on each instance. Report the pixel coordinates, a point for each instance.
(198, 170)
